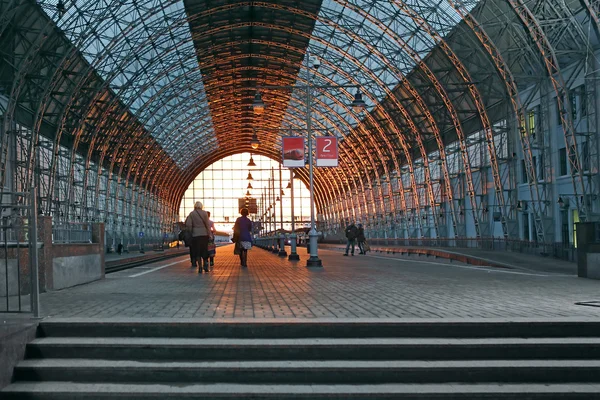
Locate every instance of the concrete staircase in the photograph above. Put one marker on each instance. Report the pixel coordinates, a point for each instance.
(311, 360)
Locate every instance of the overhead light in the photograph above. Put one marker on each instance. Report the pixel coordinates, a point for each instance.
(358, 104)
(254, 143)
(249, 176)
(282, 193)
(251, 163)
(60, 7)
(248, 193)
(563, 203)
(289, 186)
(258, 104)
(277, 199)
(249, 186)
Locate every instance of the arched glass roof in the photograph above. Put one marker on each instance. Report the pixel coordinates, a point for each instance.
(187, 70)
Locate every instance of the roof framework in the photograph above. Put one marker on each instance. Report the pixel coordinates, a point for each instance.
(148, 93)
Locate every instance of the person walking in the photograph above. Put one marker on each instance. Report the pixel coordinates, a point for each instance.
(351, 233)
(242, 233)
(197, 223)
(212, 249)
(360, 238)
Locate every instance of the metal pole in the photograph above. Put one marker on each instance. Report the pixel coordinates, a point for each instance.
(313, 260)
(274, 237)
(282, 252)
(293, 255)
(35, 282)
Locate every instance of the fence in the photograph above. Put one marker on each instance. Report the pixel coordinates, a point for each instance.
(557, 250)
(19, 284)
(71, 232)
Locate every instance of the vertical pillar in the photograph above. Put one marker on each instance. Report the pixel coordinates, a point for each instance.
(45, 253)
(98, 237)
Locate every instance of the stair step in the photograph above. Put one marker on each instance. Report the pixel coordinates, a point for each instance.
(178, 349)
(97, 391)
(315, 372)
(332, 328)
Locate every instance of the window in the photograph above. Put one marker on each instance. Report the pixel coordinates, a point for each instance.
(583, 100)
(573, 100)
(585, 156)
(523, 172)
(526, 227)
(541, 169)
(562, 161)
(564, 216)
(531, 120)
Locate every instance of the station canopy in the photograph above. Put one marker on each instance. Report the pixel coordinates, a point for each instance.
(189, 70)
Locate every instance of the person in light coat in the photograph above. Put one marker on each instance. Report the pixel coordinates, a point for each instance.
(198, 223)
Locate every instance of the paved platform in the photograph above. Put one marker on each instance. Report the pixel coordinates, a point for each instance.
(371, 286)
(473, 256)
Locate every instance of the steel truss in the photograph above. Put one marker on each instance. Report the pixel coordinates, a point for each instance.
(116, 132)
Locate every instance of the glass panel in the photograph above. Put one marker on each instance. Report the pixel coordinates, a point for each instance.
(222, 184)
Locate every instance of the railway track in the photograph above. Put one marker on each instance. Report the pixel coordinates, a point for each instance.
(120, 265)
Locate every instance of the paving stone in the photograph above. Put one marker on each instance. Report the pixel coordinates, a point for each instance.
(381, 286)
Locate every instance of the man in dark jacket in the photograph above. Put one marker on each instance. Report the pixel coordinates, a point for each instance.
(351, 233)
(360, 238)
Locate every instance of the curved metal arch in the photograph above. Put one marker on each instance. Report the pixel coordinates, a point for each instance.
(337, 188)
(340, 119)
(56, 79)
(323, 115)
(422, 106)
(332, 110)
(403, 144)
(536, 33)
(487, 44)
(296, 32)
(18, 82)
(476, 97)
(455, 119)
(350, 158)
(270, 153)
(343, 121)
(107, 109)
(37, 116)
(106, 81)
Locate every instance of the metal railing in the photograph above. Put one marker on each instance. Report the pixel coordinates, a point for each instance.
(71, 232)
(19, 284)
(557, 250)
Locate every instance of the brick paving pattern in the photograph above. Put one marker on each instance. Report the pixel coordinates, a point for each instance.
(372, 286)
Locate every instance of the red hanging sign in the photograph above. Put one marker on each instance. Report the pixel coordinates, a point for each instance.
(327, 151)
(292, 151)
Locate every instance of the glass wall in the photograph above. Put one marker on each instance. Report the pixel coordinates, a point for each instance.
(220, 186)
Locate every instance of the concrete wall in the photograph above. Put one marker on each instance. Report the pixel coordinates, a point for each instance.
(60, 265)
(73, 264)
(12, 275)
(15, 333)
(75, 270)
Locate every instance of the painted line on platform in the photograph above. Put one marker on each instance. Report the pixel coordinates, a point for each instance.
(482, 268)
(156, 269)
